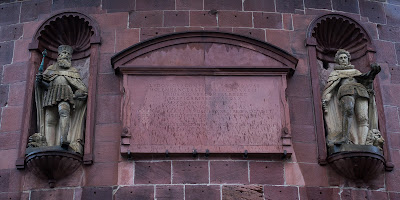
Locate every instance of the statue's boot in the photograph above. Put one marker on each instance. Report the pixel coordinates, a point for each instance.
(347, 103)
(363, 129)
(64, 124)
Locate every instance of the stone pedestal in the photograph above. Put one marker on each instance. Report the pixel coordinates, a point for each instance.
(356, 162)
(52, 163)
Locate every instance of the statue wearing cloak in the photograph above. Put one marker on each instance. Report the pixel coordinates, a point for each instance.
(350, 111)
(60, 97)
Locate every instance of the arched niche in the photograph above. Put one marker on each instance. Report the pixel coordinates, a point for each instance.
(82, 33)
(206, 62)
(326, 34)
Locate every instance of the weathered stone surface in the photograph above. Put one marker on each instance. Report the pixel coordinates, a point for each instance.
(134, 192)
(305, 152)
(108, 132)
(108, 42)
(392, 118)
(314, 174)
(373, 10)
(100, 193)
(176, 18)
(386, 53)
(21, 50)
(289, 6)
(234, 19)
(10, 32)
(108, 171)
(192, 172)
(346, 6)
(106, 151)
(9, 140)
(9, 13)
(189, 5)
(111, 21)
(319, 193)
(155, 5)
(63, 4)
(6, 53)
(245, 192)
(389, 33)
(118, 5)
(14, 196)
(259, 5)
(301, 111)
(202, 18)
(392, 14)
(348, 194)
(251, 32)
(222, 4)
(267, 20)
(198, 192)
(273, 37)
(229, 172)
(4, 89)
(145, 19)
(53, 194)
(299, 86)
(11, 119)
(31, 10)
(303, 133)
(281, 192)
(287, 22)
(266, 173)
(153, 172)
(125, 173)
(110, 109)
(148, 33)
(319, 4)
(109, 84)
(165, 192)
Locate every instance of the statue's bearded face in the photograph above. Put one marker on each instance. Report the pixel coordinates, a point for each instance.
(64, 59)
(343, 59)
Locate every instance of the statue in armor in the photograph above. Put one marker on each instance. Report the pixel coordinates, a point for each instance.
(60, 97)
(349, 104)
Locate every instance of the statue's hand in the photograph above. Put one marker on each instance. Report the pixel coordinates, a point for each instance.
(375, 68)
(80, 95)
(39, 78)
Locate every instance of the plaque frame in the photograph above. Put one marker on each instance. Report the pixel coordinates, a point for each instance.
(142, 60)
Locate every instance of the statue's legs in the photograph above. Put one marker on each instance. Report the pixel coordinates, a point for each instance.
(347, 104)
(361, 111)
(64, 112)
(50, 128)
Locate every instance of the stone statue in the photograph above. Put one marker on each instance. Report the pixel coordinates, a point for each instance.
(60, 97)
(349, 106)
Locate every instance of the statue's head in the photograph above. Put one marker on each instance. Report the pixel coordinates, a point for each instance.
(64, 56)
(342, 57)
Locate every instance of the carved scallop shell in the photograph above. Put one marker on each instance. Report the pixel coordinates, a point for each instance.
(70, 30)
(339, 32)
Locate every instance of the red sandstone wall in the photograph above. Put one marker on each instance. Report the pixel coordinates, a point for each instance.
(124, 23)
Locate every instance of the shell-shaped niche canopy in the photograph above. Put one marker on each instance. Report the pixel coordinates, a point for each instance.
(71, 29)
(333, 32)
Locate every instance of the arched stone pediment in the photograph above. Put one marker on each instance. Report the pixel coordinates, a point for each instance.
(204, 50)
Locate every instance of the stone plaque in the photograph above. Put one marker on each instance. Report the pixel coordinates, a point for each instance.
(224, 114)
